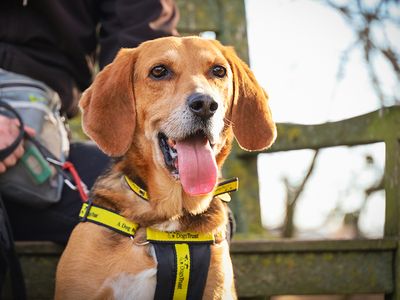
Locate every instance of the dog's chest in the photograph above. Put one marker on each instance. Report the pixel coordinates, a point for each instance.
(140, 286)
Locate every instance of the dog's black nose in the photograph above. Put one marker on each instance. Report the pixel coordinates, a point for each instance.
(202, 105)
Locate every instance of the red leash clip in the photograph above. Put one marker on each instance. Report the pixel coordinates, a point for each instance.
(79, 185)
(82, 189)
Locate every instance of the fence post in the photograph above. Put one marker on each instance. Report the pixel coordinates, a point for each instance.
(233, 28)
(392, 212)
(245, 202)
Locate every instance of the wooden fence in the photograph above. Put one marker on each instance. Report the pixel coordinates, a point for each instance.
(290, 267)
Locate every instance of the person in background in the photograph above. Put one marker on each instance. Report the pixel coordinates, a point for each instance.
(59, 43)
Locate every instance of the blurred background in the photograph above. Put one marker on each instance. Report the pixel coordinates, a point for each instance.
(323, 61)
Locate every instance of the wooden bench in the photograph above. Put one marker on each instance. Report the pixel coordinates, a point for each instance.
(265, 268)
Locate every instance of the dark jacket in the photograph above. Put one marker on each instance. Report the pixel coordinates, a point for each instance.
(59, 41)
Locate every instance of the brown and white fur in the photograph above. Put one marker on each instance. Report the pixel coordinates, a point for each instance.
(124, 110)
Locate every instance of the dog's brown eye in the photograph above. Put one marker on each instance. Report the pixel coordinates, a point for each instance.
(219, 71)
(159, 72)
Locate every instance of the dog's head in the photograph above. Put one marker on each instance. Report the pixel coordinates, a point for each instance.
(175, 102)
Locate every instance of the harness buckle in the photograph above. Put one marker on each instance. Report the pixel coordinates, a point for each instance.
(88, 207)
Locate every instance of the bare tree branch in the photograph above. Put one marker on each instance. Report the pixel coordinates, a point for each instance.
(363, 20)
(292, 196)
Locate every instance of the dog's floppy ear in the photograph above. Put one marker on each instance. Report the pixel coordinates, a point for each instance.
(253, 126)
(108, 108)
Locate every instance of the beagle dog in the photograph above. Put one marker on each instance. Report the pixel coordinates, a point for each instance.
(168, 111)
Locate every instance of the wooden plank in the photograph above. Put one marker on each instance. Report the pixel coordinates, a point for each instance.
(392, 186)
(265, 268)
(310, 273)
(233, 26)
(299, 271)
(38, 248)
(373, 127)
(392, 210)
(245, 202)
(279, 246)
(39, 269)
(395, 294)
(314, 267)
(40, 273)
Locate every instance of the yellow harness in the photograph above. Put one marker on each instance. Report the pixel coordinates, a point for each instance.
(181, 255)
(114, 221)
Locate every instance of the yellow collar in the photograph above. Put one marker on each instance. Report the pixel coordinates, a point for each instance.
(226, 186)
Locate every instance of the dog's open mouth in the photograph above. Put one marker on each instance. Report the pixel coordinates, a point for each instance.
(192, 161)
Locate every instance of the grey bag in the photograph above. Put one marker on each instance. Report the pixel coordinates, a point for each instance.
(33, 181)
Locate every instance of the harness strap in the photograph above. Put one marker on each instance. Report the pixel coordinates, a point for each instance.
(154, 235)
(183, 258)
(107, 218)
(112, 220)
(181, 270)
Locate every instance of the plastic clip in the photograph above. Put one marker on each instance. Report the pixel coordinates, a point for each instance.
(88, 207)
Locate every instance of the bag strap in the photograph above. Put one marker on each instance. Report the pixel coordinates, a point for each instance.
(10, 149)
(7, 250)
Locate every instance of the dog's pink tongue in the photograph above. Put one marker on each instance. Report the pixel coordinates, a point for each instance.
(197, 166)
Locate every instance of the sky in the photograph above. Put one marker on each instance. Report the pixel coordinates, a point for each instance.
(295, 47)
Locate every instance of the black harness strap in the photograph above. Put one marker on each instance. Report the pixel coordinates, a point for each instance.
(168, 270)
(200, 261)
